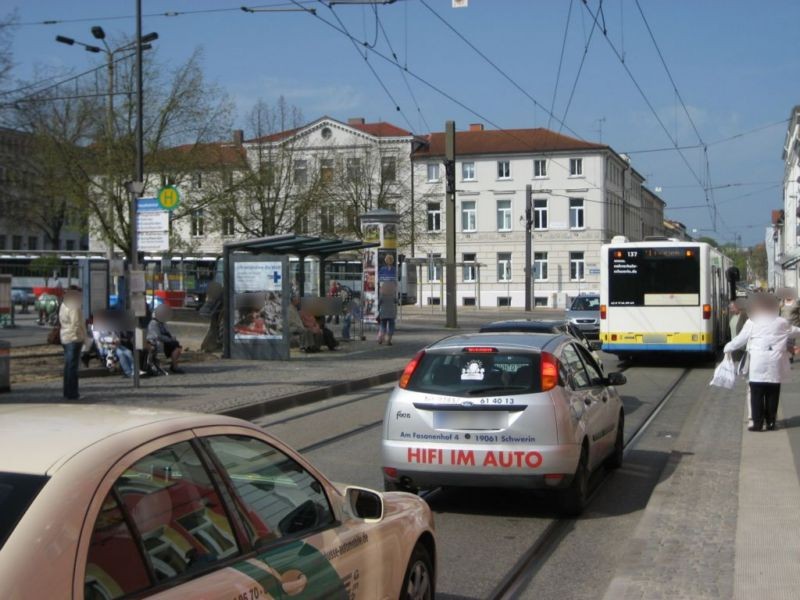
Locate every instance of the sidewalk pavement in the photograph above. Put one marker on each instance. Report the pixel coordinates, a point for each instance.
(724, 519)
(249, 389)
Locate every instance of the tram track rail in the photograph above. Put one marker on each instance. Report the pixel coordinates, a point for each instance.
(531, 561)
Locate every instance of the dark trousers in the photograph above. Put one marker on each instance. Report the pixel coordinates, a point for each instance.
(72, 354)
(764, 402)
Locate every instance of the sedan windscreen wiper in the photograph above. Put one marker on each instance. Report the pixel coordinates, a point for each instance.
(498, 388)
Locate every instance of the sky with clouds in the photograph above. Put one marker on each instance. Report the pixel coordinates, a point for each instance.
(735, 63)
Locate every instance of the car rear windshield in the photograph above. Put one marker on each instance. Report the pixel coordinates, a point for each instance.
(17, 491)
(472, 374)
(586, 303)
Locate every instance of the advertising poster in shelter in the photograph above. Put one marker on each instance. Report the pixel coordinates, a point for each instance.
(258, 297)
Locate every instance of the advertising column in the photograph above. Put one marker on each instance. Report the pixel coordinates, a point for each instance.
(380, 264)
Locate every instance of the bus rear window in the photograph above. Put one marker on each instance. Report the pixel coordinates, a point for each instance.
(654, 276)
(17, 491)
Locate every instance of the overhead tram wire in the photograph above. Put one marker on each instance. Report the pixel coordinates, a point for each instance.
(649, 104)
(560, 64)
(367, 48)
(505, 75)
(402, 71)
(580, 66)
(171, 13)
(669, 73)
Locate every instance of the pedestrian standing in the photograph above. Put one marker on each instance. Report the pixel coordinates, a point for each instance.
(387, 314)
(73, 336)
(766, 335)
(738, 317)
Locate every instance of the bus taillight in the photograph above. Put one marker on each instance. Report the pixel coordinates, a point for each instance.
(602, 311)
(706, 312)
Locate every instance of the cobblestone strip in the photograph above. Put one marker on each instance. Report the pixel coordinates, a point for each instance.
(768, 529)
(683, 547)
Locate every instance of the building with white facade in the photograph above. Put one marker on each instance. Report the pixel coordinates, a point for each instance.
(787, 255)
(584, 194)
(314, 179)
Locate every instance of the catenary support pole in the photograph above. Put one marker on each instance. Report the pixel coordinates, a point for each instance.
(450, 207)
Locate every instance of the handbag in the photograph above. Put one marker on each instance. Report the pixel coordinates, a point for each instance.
(743, 368)
(724, 374)
(54, 336)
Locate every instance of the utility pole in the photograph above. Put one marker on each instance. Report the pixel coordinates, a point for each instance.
(450, 217)
(137, 186)
(528, 247)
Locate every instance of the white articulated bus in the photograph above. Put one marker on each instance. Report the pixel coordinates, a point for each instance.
(663, 296)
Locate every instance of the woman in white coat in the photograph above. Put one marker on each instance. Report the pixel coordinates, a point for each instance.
(765, 334)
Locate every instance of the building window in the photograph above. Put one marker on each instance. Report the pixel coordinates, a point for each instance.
(540, 214)
(434, 301)
(434, 216)
(352, 218)
(388, 168)
(198, 222)
(468, 301)
(540, 168)
(504, 266)
(353, 169)
(469, 216)
(2, 242)
(540, 266)
(16, 242)
(504, 301)
(228, 226)
(469, 273)
(575, 166)
(434, 267)
(503, 169)
(197, 181)
(301, 223)
(326, 170)
(504, 215)
(300, 172)
(433, 172)
(576, 266)
(468, 171)
(540, 301)
(576, 220)
(326, 219)
(70, 244)
(33, 242)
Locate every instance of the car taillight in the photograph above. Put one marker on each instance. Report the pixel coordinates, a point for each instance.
(602, 311)
(706, 311)
(410, 368)
(549, 371)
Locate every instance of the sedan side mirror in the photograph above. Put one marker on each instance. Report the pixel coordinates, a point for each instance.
(364, 504)
(616, 379)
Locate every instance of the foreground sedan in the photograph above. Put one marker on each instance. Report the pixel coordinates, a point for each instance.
(503, 410)
(110, 502)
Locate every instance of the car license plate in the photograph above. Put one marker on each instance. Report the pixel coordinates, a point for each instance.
(470, 419)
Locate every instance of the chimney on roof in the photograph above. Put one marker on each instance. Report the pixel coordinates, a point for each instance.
(476, 126)
(356, 121)
(238, 136)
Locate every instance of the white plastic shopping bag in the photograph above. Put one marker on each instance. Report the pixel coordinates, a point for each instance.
(725, 374)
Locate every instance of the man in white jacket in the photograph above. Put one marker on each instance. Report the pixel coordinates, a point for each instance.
(765, 334)
(73, 335)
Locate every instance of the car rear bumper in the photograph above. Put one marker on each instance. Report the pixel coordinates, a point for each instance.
(514, 466)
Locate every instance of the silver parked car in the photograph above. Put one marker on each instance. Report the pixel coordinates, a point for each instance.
(584, 313)
(503, 410)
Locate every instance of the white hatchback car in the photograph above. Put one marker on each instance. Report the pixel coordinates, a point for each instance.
(503, 410)
(110, 502)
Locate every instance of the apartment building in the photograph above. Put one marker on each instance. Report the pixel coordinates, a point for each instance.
(785, 256)
(584, 194)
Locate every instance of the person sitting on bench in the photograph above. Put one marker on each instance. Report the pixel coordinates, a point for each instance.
(160, 337)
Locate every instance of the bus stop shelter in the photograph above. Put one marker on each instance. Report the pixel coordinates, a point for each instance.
(271, 254)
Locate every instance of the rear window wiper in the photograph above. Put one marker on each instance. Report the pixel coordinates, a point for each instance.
(498, 388)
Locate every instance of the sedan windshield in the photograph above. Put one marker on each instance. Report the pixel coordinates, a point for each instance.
(470, 374)
(17, 491)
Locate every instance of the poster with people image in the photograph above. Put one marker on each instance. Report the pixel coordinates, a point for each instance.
(387, 264)
(258, 300)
